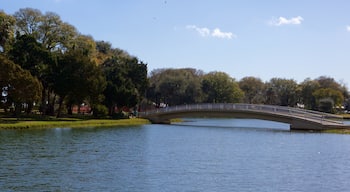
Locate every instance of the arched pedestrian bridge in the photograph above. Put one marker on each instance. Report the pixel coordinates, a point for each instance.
(299, 119)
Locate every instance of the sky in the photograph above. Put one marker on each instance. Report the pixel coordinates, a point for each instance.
(294, 39)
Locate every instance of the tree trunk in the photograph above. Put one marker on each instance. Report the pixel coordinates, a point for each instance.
(60, 107)
(51, 105)
(18, 109)
(29, 108)
(70, 109)
(111, 110)
(43, 106)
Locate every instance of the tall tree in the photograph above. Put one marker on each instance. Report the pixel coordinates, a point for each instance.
(221, 88)
(55, 34)
(308, 87)
(335, 97)
(328, 82)
(28, 21)
(126, 81)
(7, 24)
(175, 86)
(76, 76)
(20, 86)
(253, 90)
(285, 91)
(32, 55)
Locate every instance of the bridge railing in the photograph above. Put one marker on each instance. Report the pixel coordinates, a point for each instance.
(301, 113)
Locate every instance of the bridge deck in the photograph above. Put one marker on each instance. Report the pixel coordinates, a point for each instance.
(297, 118)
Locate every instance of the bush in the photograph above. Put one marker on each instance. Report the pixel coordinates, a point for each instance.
(326, 105)
(100, 111)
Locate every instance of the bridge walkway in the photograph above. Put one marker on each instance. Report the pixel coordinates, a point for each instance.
(296, 117)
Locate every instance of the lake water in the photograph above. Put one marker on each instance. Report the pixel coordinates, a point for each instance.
(196, 155)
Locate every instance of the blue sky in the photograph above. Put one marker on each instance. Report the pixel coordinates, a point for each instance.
(288, 39)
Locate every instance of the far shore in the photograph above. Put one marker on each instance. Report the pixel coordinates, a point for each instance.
(25, 124)
(30, 124)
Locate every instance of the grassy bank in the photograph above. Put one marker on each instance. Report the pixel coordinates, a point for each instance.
(72, 123)
(337, 131)
(346, 116)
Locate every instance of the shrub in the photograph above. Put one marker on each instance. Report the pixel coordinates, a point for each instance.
(100, 111)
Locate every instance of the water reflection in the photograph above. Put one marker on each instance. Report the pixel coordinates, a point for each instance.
(249, 124)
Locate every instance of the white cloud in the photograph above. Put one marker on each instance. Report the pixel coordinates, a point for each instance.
(284, 21)
(204, 32)
(348, 28)
(225, 35)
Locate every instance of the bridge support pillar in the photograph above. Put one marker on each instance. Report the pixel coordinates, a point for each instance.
(298, 124)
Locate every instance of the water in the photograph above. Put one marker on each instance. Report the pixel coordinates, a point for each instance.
(197, 155)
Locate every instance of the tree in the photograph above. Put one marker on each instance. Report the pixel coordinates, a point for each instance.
(28, 21)
(126, 81)
(175, 86)
(76, 76)
(282, 92)
(7, 24)
(55, 34)
(32, 55)
(328, 82)
(253, 89)
(308, 87)
(86, 45)
(20, 86)
(221, 88)
(104, 51)
(327, 94)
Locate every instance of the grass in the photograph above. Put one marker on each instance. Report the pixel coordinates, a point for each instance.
(67, 122)
(337, 131)
(346, 116)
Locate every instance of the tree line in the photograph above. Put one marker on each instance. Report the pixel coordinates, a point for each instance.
(181, 86)
(46, 63)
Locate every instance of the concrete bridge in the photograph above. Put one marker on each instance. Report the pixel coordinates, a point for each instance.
(299, 119)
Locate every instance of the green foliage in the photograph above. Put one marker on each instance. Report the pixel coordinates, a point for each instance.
(7, 23)
(47, 28)
(308, 87)
(282, 92)
(221, 88)
(330, 94)
(326, 105)
(20, 86)
(126, 81)
(31, 55)
(175, 86)
(78, 77)
(100, 110)
(253, 90)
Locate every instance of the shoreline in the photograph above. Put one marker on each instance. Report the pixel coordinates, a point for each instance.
(20, 125)
(98, 123)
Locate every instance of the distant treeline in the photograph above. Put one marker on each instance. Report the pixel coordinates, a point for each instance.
(181, 86)
(47, 65)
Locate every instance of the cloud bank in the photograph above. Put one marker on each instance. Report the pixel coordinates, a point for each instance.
(284, 21)
(348, 28)
(206, 32)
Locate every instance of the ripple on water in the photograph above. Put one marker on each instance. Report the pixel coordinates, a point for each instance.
(221, 155)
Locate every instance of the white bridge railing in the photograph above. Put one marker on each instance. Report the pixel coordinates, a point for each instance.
(272, 109)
